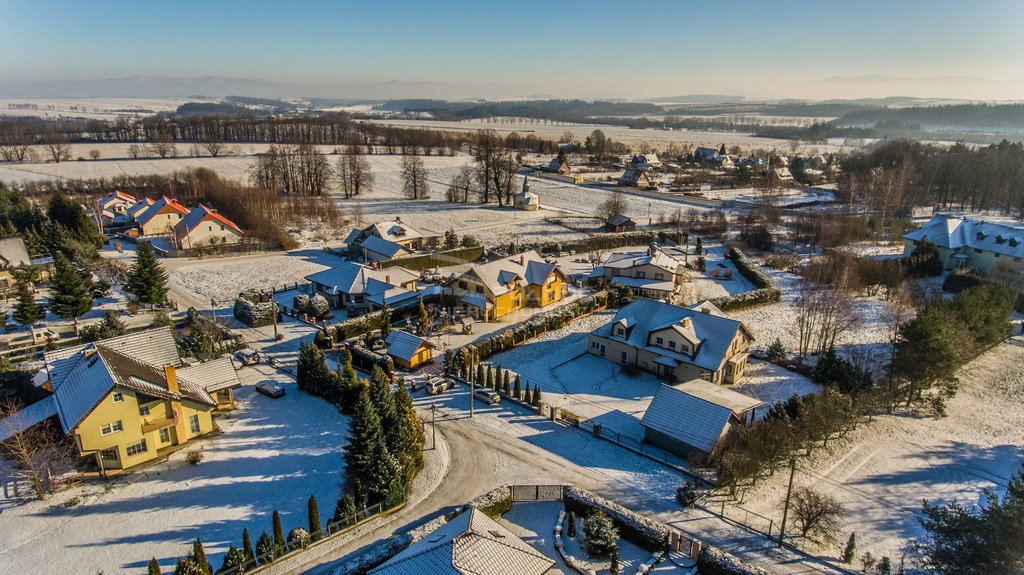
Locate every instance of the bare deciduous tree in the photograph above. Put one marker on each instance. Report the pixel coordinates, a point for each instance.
(353, 174)
(414, 178)
(817, 516)
(94, 154)
(135, 151)
(15, 140)
(56, 144)
(163, 146)
(615, 205)
(825, 308)
(35, 449)
(495, 168)
(213, 147)
(461, 185)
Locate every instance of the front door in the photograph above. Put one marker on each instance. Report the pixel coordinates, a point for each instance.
(602, 350)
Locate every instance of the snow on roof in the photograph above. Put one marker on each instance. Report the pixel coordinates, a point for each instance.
(641, 283)
(140, 206)
(718, 395)
(470, 543)
(214, 375)
(116, 195)
(476, 300)
(632, 175)
(403, 345)
(634, 259)
(158, 205)
(950, 232)
(380, 293)
(199, 215)
(27, 417)
(393, 231)
(618, 220)
(497, 275)
(385, 248)
(13, 252)
(688, 417)
(353, 278)
(714, 332)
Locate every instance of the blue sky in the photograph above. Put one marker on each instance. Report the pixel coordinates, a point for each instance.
(780, 48)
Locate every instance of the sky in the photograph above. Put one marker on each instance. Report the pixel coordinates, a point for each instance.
(565, 48)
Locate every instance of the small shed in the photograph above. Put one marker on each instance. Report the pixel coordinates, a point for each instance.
(690, 418)
(409, 351)
(619, 223)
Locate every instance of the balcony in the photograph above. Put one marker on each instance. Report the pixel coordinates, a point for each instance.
(158, 423)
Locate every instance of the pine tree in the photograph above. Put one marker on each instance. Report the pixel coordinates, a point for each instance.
(278, 535)
(26, 310)
(850, 553)
(423, 322)
(313, 514)
(234, 561)
(517, 390)
(147, 280)
(154, 567)
(199, 556)
(247, 545)
(346, 509)
(264, 548)
(71, 294)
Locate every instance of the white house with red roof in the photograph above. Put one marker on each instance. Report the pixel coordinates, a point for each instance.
(114, 208)
(204, 227)
(160, 218)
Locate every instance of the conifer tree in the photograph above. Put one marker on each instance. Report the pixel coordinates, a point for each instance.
(365, 434)
(154, 567)
(384, 404)
(479, 374)
(423, 321)
(490, 377)
(26, 310)
(411, 437)
(349, 383)
(507, 384)
(264, 549)
(345, 509)
(71, 294)
(147, 280)
(247, 545)
(199, 556)
(278, 535)
(537, 398)
(517, 390)
(850, 552)
(313, 514)
(234, 561)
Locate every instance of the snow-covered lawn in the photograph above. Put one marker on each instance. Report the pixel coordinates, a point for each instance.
(223, 278)
(272, 454)
(882, 471)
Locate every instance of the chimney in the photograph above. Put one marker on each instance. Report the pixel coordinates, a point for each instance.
(387, 280)
(706, 310)
(522, 259)
(686, 322)
(171, 373)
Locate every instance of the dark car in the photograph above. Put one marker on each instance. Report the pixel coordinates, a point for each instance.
(270, 389)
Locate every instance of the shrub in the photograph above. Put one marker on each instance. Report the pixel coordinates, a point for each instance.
(687, 495)
(600, 536)
(194, 457)
(298, 538)
(254, 313)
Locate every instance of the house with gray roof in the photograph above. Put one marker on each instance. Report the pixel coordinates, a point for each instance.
(408, 350)
(652, 273)
(492, 290)
(471, 543)
(387, 240)
(356, 286)
(127, 399)
(970, 243)
(675, 343)
(692, 417)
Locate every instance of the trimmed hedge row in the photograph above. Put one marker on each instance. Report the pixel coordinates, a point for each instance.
(639, 529)
(436, 259)
(766, 292)
(254, 309)
(712, 561)
(367, 360)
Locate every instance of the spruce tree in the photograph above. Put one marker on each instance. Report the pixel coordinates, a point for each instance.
(364, 434)
(234, 561)
(345, 509)
(264, 549)
(26, 310)
(147, 280)
(410, 433)
(850, 552)
(247, 545)
(313, 514)
(278, 535)
(776, 351)
(384, 404)
(490, 377)
(517, 390)
(199, 556)
(154, 567)
(71, 294)
(349, 383)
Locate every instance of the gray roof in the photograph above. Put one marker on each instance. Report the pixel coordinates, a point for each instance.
(659, 259)
(618, 220)
(385, 248)
(214, 375)
(13, 252)
(953, 233)
(470, 544)
(403, 345)
(27, 417)
(640, 283)
(497, 275)
(714, 332)
(694, 414)
(353, 278)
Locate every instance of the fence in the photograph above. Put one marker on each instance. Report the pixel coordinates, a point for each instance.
(524, 493)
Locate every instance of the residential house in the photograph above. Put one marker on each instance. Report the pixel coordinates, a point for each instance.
(675, 343)
(722, 161)
(113, 209)
(969, 243)
(559, 165)
(138, 208)
(160, 218)
(470, 543)
(125, 400)
(692, 418)
(393, 237)
(704, 155)
(492, 290)
(526, 200)
(781, 174)
(356, 286)
(619, 223)
(14, 253)
(752, 162)
(652, 274)
(635, 178)
(409, 351)
(203, 227)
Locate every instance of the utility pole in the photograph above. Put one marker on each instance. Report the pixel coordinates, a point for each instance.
(789, 491)
(273, 308)
(433, 428)
(472, 384)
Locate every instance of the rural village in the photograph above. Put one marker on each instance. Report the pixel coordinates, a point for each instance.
(397, 337)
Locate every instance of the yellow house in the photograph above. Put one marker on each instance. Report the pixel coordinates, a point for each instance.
(408, 350)
(160, 218)
(495, 289)
(125, 400)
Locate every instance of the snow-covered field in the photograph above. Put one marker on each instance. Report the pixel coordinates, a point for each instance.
(89, 108)
(882, 471)
(272, 454)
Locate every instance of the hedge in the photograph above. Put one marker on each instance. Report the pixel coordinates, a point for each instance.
(366, 324)
(436, 259)
(367, 360)
(766, 292)
(713, 561)
(641, 530)
(255, 309)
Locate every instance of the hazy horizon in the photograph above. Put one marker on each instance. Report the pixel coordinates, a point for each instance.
(453, 50)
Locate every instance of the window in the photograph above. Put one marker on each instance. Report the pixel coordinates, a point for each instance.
(143, 410)
(625, 357)
(109, 454)
(659, 276)
(463, 285)
(165, 435)
(193, 423)
(136, 448)
(479, 289)
(619, 331)
(113, 427)
(118, 397)
(659, 341)
(672, 344)
(641, 275)
(551, 295)
(593, 345)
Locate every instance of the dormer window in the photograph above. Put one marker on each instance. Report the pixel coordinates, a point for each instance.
(1014, 242)
(981, 235)
(1000, 239)
(620, 331)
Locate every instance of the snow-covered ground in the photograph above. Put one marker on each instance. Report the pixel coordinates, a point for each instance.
(223, 278)
(272, 454)
(882, 471)
(89, 108)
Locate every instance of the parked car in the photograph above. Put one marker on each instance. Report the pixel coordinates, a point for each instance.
(10, 326)
(248, 356)
(488, 396)
(438, 384)
(270, 389)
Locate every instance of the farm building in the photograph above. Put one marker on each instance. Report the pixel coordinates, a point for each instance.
(409, 351)
(357, 286)
(203, 227)
(494, 289)
(969, 244)
(691, 418)
(620, 223)
(675, 343)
